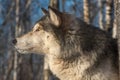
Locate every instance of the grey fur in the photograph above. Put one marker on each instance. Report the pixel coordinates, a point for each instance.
(85, 52)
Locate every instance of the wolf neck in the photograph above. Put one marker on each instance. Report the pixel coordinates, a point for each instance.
(68, 59)
(71, 65)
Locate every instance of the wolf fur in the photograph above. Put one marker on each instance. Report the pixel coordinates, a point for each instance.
(76, 50)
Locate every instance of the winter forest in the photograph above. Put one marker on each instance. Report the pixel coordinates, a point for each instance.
(17, 17)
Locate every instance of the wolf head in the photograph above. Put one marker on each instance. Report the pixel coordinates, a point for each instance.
(48, 33)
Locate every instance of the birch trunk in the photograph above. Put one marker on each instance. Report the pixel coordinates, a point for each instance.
(54, 4)
(47, 74)
(16, 34)
(100, 15)
(86, 11)
(114, 31)
(117, 17)
(108, 15)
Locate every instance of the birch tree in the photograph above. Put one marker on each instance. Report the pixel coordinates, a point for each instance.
(117, 17)
(86, 11)
(16, 34)
(22, 25)
(100, 14)
(54, 3)
(108, 26)
(25, 63)
(114, 31)
(47, 76)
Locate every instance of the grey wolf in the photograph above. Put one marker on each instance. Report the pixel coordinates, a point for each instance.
(76, 50)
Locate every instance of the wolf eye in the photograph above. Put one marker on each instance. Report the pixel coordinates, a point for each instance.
(37, 29)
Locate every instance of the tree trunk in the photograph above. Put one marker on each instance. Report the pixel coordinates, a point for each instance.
(86, 11)
(63, 5)
(46, 69)
(100, 14)
(108, 15)
(16, 34)
(114, 31)
(25, 62)
(54, 4)
(47, 74)
(117, 17)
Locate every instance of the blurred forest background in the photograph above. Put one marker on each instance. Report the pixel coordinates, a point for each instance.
(17, 17)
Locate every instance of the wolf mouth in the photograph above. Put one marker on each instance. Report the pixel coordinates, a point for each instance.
(23, 50)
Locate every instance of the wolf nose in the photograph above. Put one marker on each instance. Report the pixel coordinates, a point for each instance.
(14, 41)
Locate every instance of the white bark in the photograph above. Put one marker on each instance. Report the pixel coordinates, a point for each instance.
(117, 17)
(114, 31)
(54, 4)
(16, 34)
(100, 15)
(86, 11)
(108, 14)
(46, 69)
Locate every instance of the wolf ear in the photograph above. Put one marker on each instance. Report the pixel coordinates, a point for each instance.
(44, 11)
(55, 16)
